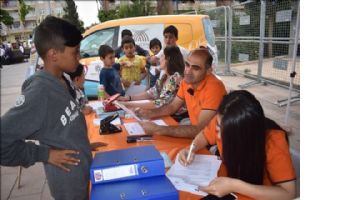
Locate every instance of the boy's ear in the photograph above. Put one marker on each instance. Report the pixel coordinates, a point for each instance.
(51, 55)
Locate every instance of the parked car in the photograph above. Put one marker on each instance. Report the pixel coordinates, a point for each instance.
(194, 31)
(12, 57)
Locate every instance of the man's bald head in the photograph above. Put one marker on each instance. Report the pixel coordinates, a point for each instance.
(204, 54)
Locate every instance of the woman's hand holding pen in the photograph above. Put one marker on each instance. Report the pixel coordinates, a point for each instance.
(183, 155)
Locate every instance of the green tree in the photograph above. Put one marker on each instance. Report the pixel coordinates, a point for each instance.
(137, 8)
(106, 15)
(72, 15)
(22, 12)
(5, 17)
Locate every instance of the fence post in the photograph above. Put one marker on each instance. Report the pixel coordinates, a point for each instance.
(262, 35)
(293, 73)
(229, 42)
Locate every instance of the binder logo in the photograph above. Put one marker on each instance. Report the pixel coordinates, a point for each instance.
(98, 175)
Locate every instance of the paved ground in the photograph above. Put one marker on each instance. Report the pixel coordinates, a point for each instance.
(33, 181)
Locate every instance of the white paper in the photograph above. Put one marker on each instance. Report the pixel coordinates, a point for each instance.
(200, 172)
(119, 172)
(134, 128)
(95, 104)
(116, 122)
(159, 122)
(129, 111)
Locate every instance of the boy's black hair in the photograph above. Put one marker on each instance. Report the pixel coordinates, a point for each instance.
(154, 42)
(126, 32)
(127, 40)
(171, 29)
(104, 50)
(78, 72)
(55, 33)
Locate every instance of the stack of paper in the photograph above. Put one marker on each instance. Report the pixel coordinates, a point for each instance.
(134, 128)
(200, 172)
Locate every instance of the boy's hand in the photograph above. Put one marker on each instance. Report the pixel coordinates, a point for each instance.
(60, 158)
(87, 110)
(96, 145)
(126, 83)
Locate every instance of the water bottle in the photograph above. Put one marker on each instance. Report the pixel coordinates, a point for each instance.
(100, 92)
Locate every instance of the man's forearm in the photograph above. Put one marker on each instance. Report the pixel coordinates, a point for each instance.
(187, 131)
(161, 111)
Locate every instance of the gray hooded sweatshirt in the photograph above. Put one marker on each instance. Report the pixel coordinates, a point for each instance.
(46, 111)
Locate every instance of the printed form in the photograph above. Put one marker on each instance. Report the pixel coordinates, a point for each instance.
(200, 172)
(134, 128)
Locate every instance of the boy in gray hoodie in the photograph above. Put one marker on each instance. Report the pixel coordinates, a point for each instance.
(48, 112)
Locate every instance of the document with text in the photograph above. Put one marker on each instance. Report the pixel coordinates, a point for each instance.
(200, 172)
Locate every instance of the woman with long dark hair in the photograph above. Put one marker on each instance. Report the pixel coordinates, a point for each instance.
(253, 148)
(165, 89)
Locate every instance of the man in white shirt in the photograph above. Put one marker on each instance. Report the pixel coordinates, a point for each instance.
(170, 37)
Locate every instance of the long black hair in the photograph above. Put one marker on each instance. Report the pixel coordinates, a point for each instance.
(175, 61)
(243, 130)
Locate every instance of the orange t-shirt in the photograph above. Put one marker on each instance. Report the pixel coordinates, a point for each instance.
(207, 96)
(279, 166)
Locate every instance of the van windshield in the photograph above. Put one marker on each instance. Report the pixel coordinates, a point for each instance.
(90, 45)
(209, 34)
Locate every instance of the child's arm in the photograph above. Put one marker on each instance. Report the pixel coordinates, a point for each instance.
(19, 124)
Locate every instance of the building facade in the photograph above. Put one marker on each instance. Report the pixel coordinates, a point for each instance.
(17, 32)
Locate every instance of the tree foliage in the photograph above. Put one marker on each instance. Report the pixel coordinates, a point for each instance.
(5, 17)
(23, 10)
(138, 8)
(72, 15)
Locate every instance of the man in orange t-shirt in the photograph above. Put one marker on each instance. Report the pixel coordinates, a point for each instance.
(200, 90)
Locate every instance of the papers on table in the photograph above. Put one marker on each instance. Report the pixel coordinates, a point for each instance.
(134, 128)
(201, 172)
(127, 110)
(96, 105)
(167, 161)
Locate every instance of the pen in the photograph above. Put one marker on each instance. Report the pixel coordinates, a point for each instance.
(190, 151)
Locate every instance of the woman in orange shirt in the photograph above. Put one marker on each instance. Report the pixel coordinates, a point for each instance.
(254, 150)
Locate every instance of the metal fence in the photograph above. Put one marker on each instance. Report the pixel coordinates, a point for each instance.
(260, 40)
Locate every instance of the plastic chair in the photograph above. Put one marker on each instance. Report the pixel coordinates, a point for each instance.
(20, 168)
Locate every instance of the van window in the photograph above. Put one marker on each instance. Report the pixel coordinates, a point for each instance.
(90, 45)
(209, 34)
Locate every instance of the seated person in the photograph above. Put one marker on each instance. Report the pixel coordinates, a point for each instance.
(200, 90)
(165, 89)
(254, 150)
(109, 77)
(132, 66)
(78, 78)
